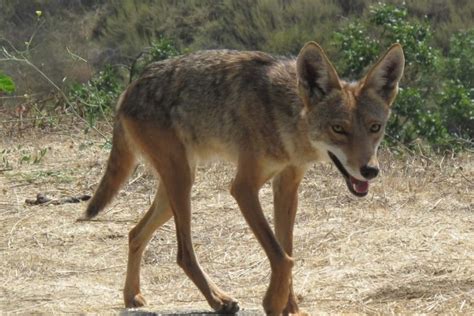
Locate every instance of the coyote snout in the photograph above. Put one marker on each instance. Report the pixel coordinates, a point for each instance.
(270, 116)
(369, 172)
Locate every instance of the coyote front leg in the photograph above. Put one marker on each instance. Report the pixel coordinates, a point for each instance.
(245, 189)
(167, 154)
(285, 201)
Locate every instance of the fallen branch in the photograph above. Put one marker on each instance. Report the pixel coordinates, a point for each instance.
(42, 199)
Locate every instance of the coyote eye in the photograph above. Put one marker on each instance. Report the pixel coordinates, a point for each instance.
(338, 129)
(375, 128)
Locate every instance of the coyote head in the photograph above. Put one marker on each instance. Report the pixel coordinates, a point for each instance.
(346, 121)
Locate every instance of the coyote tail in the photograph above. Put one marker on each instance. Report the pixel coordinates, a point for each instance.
(119, 166)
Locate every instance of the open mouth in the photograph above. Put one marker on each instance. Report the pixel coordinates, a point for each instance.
(357, 187)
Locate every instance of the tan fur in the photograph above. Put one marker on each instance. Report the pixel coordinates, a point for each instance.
(272, 117)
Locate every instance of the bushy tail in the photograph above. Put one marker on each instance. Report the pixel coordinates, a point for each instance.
(121, 162)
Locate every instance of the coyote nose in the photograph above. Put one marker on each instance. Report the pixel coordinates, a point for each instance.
(369, 172)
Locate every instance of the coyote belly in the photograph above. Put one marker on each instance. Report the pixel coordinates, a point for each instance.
(272, 117)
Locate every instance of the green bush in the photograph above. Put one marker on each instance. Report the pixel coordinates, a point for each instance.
(435, 103)
(95, 99)
(357, 47)
(6, 84)
(160, 49)
(456, 104)
(460, 58)
(456, 100)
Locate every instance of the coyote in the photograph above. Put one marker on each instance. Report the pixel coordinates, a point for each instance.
(272, 117)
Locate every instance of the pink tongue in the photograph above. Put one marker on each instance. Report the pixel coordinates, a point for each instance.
(360, 186)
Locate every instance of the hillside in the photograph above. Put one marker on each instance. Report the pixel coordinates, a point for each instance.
(102, 32)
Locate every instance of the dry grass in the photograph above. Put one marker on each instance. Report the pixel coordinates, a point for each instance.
(406, 248)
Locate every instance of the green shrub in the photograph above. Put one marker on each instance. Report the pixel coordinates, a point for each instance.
(6, 84)
(357, 49)
(95, 99)
(460, 58)
(435, 103)
(456, 100)
(456, 104)
(160, 49)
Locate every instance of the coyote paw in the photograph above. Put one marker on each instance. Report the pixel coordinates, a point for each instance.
(298, 313)
(135, 301)
(225, 305)
(292, 308)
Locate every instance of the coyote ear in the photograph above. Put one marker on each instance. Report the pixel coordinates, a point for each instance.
(316, 75)
(384, 76)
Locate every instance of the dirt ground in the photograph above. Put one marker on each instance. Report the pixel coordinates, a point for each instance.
(408, 247)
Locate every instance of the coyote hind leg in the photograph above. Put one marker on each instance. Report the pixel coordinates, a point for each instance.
(168, 156)
(158, 214)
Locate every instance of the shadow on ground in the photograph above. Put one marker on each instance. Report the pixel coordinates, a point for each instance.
(185, 312)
